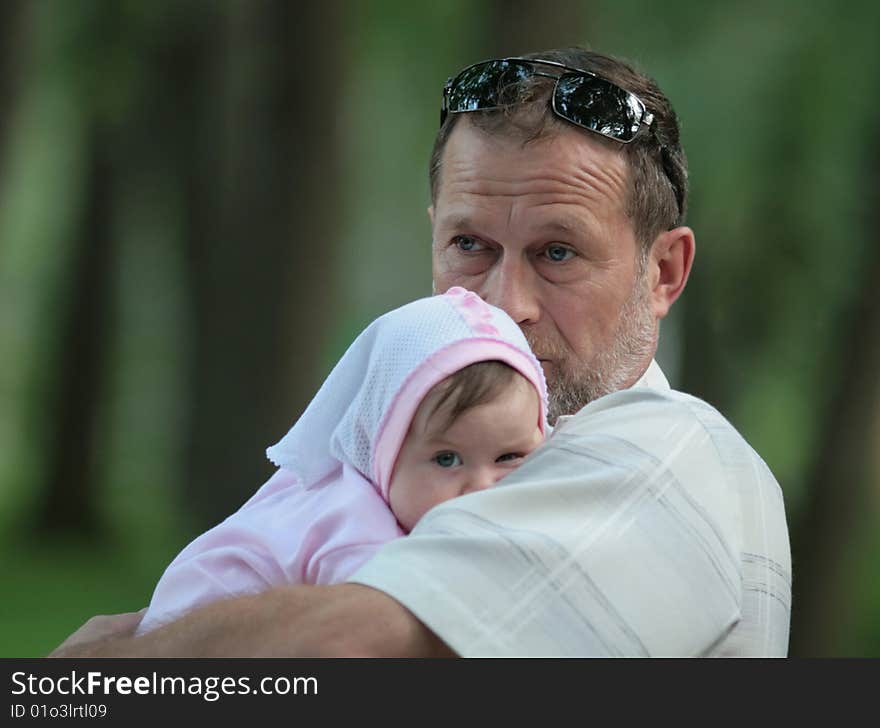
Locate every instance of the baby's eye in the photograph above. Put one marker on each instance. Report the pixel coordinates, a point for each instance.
(447, 459)
(508, 456)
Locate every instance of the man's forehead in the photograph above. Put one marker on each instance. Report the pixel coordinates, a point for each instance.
(548, 218)
(565, 168)
(501, 142)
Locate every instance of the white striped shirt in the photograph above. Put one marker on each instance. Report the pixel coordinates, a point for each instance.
(645, 526)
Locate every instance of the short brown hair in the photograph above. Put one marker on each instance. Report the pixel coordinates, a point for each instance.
(657, 197)
(471, 386)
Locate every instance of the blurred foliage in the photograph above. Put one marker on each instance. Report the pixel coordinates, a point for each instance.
(210, 119)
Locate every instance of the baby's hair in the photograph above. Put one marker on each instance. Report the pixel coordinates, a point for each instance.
(470, 387)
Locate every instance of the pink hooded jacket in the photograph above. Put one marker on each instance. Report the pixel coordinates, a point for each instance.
(325, 511)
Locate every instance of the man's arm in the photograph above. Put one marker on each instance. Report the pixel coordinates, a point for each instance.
(344, 620)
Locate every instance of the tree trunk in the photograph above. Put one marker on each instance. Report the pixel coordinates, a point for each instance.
(13, 24)
(68, 500)
(524, 26)
(263, 199)
(837, 513)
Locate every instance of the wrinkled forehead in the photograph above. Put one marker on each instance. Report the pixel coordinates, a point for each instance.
(565, 168)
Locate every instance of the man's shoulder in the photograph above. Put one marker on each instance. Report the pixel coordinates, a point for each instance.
(648, 406)
(661, 419)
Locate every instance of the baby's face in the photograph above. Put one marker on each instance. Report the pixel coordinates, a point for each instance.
(484, 444)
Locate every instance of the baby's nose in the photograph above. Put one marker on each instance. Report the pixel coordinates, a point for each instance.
(483, 478)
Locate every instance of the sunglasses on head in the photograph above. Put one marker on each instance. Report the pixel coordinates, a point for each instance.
(580, 97)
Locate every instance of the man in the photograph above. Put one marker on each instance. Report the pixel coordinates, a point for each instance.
(645, 525)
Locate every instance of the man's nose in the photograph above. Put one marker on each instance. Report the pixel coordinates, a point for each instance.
(512, 286)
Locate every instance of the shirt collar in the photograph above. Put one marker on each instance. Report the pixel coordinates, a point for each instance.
(653, 378)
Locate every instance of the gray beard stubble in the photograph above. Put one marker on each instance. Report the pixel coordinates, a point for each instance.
(613, 368)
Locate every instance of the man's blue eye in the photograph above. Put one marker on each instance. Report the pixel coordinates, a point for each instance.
(465, 243)
(558, 253)
(447, 459)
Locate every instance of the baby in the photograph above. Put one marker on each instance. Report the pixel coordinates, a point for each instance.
(436, 399)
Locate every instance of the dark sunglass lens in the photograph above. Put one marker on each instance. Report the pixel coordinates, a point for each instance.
(480, 87)
(599, 106)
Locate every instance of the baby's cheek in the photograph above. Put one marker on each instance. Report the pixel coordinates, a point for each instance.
(400, 502)
(414, 496)
(439, 490)
(539, 438)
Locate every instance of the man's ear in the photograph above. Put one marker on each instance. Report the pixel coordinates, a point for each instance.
(431, 214)
(669, 265)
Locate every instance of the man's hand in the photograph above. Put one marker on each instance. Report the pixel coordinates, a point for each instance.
(97, 630)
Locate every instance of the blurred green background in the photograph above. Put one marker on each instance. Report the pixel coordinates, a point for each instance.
(202, 203)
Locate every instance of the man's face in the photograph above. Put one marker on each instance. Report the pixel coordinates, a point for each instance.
(540, 231)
